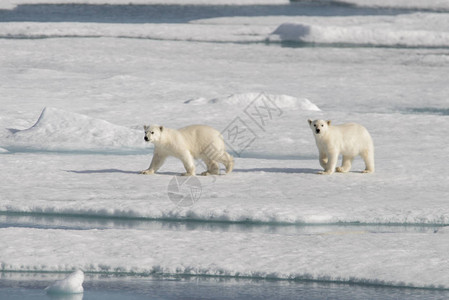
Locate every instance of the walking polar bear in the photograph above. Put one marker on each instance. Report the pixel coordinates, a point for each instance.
(188, 143)
(348, 139)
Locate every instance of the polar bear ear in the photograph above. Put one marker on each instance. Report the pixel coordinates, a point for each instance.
(145, 127)
(328, 122)
(161, 128)
(310, 122)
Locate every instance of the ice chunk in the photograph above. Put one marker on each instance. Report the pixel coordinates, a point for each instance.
(72, 284)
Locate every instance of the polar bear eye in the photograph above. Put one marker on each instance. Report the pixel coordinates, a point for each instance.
(152, 132)
(322, 125)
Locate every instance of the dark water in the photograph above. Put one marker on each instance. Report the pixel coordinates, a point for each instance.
(106, 13)
(111, 288)
(74, 222)
(428, 111)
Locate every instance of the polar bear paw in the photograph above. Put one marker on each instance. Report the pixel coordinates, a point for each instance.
(147, 172)
(325, 172)
(341, 170)
(187, 174)
(208, 173)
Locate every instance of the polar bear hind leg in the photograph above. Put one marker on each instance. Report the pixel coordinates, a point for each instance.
(212, 167)
(227, 160)
(368, 157)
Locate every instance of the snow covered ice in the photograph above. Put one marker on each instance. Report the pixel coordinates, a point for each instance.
(74, 96)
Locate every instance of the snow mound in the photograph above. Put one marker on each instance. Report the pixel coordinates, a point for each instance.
(359, 35)
(72, 284)
(281, 101)
(60, 130)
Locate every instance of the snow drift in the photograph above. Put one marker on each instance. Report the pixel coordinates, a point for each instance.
(60, 130)
(242, 100)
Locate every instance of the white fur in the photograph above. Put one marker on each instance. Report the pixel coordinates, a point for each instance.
(188, 143)
(348, 140)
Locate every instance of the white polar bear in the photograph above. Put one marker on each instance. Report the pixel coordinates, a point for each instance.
(188, 143)
(348, 139)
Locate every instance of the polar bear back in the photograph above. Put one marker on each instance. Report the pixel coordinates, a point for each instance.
(198, 138)
(350, 138)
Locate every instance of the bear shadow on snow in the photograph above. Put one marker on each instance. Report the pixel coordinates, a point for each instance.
(267, 170)
(278, 170)
(102, 171)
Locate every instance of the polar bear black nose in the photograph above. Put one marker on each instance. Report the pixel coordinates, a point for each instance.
(146, 138)
(317, 130)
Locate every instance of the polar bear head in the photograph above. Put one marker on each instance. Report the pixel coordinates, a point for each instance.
(319, 127)
(153, 133)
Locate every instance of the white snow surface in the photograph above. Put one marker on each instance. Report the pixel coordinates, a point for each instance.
(72, 284)
(71, 144)
(383, 259)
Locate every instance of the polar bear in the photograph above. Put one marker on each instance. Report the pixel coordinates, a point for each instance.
(348, 139)
(188, 143)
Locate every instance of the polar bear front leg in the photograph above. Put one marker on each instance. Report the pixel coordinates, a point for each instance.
(346, 164)
(331, 163)
(323, 159)
(187, 160)
(156, 163)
